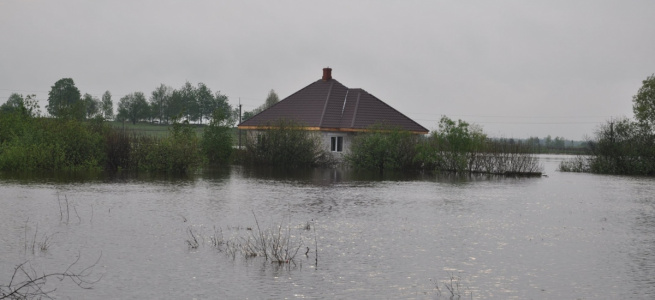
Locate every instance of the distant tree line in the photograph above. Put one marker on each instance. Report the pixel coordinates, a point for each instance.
(191, 103)
(195, 104)
(623, 146)
(557, 144)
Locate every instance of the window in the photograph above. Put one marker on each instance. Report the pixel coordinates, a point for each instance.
(336, 144)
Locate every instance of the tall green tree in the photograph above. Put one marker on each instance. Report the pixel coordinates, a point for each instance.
(91, 105)
(205, 100)
(133, 107)
(15, 103)
(159, 98)
(107, 106)
(190, 102)
(644, 102)
(226, 112)
(271, 99)
(174, 108)
(64, 100)
(27, 106)
(453, 146)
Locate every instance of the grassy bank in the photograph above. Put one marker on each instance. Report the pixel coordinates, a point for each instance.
(29, 143)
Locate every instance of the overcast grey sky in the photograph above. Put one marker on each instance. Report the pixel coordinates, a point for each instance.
(517, 68)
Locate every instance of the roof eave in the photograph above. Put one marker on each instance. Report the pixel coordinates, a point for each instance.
(325, 129)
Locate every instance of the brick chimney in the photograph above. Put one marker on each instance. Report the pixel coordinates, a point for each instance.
(327, 74)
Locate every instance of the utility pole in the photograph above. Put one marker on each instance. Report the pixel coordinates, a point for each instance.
(239, 130)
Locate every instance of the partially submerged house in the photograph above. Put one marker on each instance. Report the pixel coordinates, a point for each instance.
(333, 110)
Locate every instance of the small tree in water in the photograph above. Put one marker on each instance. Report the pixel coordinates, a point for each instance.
(217, 138)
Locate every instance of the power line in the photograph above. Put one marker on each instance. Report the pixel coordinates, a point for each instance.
(521, 123)
(508, 116)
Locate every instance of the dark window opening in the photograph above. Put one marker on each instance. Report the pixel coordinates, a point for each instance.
(336, 144)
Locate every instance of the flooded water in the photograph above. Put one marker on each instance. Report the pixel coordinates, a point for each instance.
(565, 236)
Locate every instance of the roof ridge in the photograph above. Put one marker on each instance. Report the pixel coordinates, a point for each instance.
(327, 99)
(352, 124)
(345, 99)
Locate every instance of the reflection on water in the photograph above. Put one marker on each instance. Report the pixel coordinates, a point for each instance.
(379, 236)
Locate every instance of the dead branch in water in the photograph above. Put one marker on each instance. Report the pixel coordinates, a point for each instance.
(26, 283)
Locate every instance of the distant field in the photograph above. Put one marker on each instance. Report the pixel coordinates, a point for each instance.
(159, 130)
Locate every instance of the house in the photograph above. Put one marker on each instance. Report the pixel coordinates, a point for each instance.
(335, 111)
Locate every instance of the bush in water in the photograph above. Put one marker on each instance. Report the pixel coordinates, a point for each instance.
(286, 143)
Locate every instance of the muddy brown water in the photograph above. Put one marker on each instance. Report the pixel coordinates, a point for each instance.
(565, 236)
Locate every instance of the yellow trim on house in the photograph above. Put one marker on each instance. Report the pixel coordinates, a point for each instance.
(319, 129)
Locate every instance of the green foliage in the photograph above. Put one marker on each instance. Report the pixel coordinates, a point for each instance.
(455, 147)
(27, 106)
(133, 107)
(195, 104)
(118, 149)
(286, 144)
(92, 105)
(623, 147)
(64, 100)
(644, 102)
(177, 153)
(49, 144)
(189, 102)
(271, 99)
(159, 99)
(107, 106)
(28, 144)
(452, 146)
(383, 148)
(217, 138)
(13, 104)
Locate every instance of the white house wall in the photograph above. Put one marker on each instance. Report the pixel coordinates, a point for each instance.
(325, 137)
(347, 141)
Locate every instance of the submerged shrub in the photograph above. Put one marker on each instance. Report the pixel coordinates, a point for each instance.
(217, 140)
(579, 163)
(623, 146)
(464, 148)
(285, 143)
(177, 153)
(619, 147)
(455, 147)
(50, 144)
(383, 148)
(34, 143)
(118, 147)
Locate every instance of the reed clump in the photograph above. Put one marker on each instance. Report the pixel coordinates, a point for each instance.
(276, 244)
